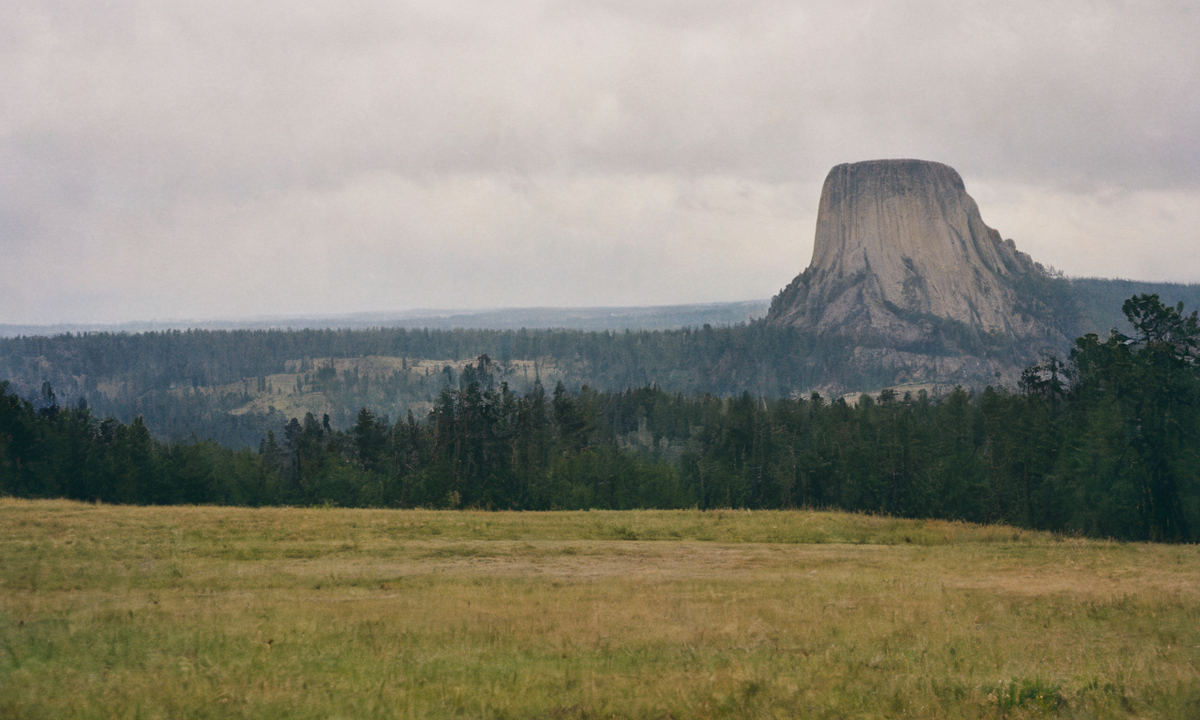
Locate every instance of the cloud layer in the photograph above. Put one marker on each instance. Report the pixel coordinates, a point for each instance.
(227, 159)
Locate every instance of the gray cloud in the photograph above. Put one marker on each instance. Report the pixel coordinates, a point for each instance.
(195, 159)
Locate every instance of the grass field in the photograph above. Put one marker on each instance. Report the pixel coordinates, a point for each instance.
(186, 612)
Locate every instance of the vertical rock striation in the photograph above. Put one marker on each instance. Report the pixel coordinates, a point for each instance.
(905, 268)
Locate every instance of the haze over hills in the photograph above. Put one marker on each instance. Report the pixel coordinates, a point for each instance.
(656, 317)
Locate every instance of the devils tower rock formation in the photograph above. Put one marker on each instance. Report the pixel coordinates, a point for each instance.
(904, 268)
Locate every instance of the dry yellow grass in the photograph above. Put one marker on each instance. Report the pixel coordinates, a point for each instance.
(224, 612)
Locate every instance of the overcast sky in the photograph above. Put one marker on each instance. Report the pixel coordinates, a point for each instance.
(184, 159)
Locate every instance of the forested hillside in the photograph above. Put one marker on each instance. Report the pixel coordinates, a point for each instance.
(1103, 445)
(1099, 300)
(232, 386)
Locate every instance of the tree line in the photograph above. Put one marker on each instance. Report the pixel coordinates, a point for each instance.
(1102, 444)
(184, 382)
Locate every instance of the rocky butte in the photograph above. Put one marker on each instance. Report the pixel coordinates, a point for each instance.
(905, 270)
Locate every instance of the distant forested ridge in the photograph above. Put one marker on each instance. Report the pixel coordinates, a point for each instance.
(1102, 444)
(652, 317)
(233, 386)
(1098, 301)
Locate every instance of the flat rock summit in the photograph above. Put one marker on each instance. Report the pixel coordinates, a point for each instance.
(905, 268)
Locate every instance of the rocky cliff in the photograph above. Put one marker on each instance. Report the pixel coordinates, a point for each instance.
(905, 268)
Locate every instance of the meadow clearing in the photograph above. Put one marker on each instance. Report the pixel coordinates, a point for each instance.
(197, 612)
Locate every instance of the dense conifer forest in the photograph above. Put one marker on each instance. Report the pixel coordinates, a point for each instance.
(1103, 444)
(194, 382)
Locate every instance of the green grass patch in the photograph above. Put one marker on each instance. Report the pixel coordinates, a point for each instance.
(243, 613)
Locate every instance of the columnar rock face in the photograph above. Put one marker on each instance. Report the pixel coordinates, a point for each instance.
(904, 262)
